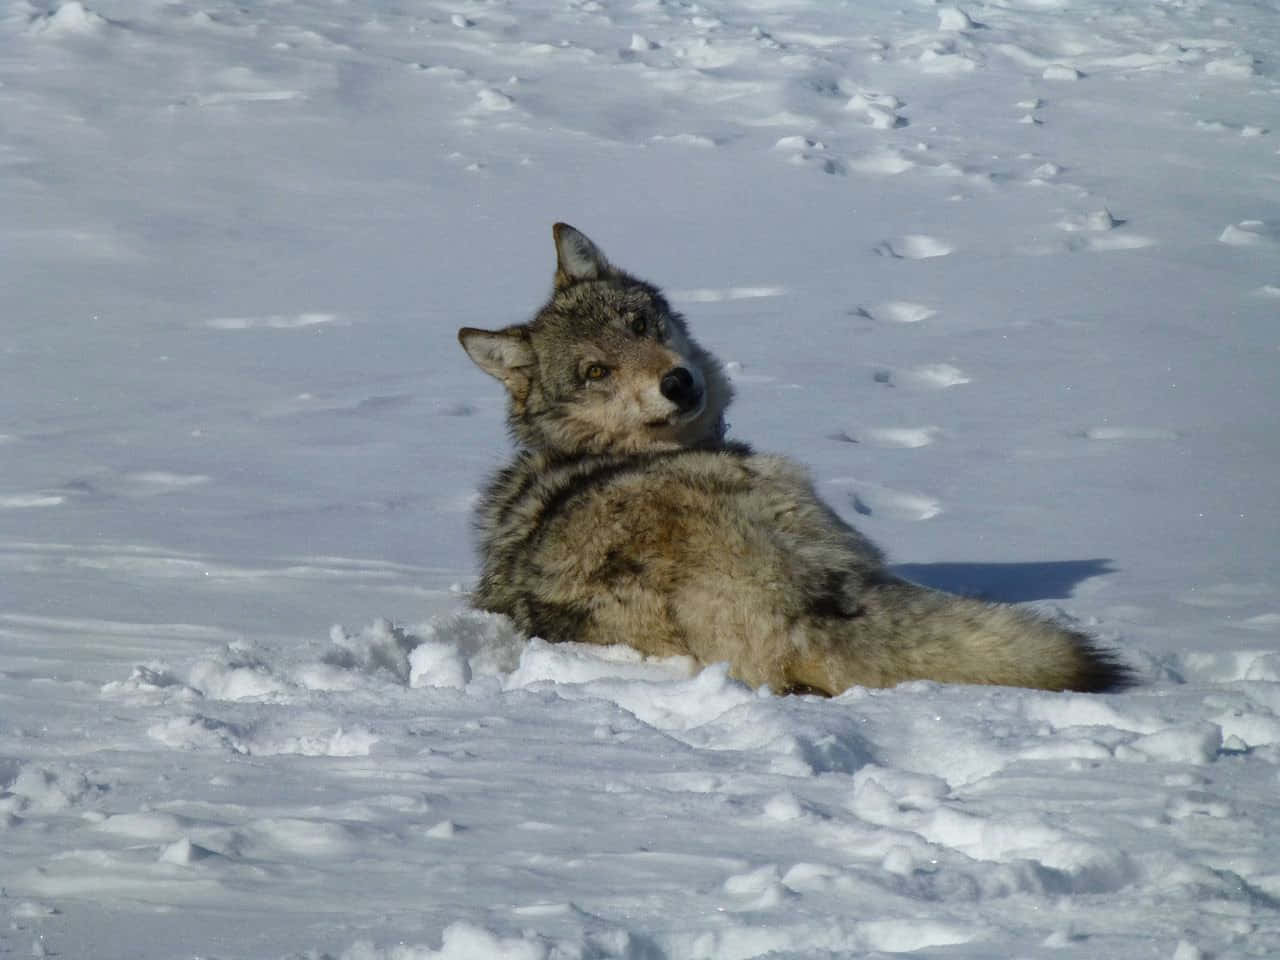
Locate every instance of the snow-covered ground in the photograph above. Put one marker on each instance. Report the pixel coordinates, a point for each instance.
(1005, 275)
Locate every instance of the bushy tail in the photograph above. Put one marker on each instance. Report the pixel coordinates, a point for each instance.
(908, 632)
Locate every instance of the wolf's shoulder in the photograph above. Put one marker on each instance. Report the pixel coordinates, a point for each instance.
(537, 481)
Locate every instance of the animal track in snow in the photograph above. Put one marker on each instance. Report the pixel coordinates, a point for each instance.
(1248, 233)
(1119, 241)
(685, 140)
(902, 311)
(277, 321)
(936, 375)
(26, 501)
(876, 500)
(1096, 230)
(877, 110)
(1222, 595)
(493, 101)
(719, 294)
(914, 246)
(804, 151)
(896, 437)
(881, 162)
(1108, 433)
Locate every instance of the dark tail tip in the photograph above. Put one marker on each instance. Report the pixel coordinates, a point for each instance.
(1101, 671)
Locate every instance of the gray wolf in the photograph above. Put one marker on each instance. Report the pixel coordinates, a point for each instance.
(626, 516)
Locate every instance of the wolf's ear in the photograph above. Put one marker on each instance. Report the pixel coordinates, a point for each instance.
(504, 354)
(577, 258)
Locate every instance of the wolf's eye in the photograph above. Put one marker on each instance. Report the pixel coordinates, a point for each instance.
(597, 371)
(639, 326)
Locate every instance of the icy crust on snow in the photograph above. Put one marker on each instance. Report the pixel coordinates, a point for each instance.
(890, 821)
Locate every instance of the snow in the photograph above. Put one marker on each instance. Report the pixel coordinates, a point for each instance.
(1004, 276)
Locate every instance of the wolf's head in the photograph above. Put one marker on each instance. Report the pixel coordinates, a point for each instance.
(605, 367)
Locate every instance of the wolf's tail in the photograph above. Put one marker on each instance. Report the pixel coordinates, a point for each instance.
(908, 632)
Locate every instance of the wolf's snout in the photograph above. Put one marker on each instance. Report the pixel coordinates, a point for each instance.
(679, 387)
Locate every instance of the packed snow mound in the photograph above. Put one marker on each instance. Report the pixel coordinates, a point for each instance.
(967, 799)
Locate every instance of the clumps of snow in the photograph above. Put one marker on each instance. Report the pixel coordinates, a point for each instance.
(943, 58)
(462, 940)
(955, 20)
(1233, 68)
(878, 111)
(239, 675)
(1195, 743)
(784, 807)
(446, 652)
(434, 663)
(1097, 221)
(1228, 666)
(184, 853)
(576, 663)
(307, 736)
(494, 101)
(198, 732)
(151, 682)
(45, 788)
(685, 140)
(67, 20)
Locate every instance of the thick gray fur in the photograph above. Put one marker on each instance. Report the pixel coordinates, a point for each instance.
(626, 517)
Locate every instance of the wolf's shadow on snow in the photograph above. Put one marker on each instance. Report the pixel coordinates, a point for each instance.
(1005, 582)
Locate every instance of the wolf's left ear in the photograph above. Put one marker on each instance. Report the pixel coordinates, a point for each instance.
(577, 258)
(504, 354)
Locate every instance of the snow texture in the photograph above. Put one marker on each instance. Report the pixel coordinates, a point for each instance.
(1005, 275)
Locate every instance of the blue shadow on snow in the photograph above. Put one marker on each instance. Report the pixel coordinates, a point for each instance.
(1005, 582)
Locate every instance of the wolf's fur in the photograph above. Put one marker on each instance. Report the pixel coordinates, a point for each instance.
(626, 517)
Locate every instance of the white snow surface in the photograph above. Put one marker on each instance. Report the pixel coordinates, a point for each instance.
(1004, 275)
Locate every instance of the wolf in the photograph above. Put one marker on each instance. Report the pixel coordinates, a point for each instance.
(627, 516)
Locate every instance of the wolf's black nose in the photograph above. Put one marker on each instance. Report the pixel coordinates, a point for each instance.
(677, 386)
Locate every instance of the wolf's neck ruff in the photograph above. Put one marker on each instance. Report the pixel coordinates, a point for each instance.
(627, 517)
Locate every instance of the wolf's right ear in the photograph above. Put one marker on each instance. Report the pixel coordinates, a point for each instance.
(577, 258)
(504, 354)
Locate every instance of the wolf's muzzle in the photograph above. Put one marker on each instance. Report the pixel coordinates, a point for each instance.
(680, 388)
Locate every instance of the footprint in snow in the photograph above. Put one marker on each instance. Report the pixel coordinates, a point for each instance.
(901, 438)
(896, 311)
(875, 500)
(1096, 232)
(938, 376)
(1121, 434)
(720, 294)
(914, 246)
(928, 376)
(886, 163)
(27, 501)
(275, 321)
(1250, 233)
(877, 110)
